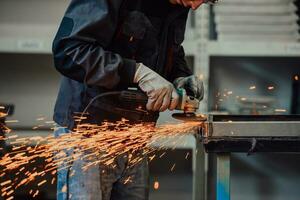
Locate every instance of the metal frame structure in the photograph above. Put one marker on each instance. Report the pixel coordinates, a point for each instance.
(198, 44)
(223, 176)
(248, 134)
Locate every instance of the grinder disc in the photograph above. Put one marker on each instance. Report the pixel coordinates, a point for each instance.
(189, 117)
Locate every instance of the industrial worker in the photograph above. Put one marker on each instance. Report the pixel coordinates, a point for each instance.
(110, 45)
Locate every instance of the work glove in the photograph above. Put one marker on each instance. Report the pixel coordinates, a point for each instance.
(192, 85)
(161, 93)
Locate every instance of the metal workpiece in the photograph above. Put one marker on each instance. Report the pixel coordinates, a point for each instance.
(252, 126)
(255, 129)
(224, 134)
(234, 133)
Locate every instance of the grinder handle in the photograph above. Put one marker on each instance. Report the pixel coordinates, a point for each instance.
(140, 98)
(134, 96)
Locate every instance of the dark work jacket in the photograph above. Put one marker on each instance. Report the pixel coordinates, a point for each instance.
(98, 45)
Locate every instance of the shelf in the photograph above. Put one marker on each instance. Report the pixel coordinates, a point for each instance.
(29, 26)
(280, 49)
(25, 45)
(260, 49)
(43, 45)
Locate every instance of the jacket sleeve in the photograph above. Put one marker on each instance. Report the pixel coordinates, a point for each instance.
(79, 48)
(180, 68)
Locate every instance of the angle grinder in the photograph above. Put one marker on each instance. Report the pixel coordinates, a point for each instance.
(188, 104)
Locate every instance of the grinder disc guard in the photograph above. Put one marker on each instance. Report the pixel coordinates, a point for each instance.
(189, 117)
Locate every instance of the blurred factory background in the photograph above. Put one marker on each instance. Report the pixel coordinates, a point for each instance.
(247, 53)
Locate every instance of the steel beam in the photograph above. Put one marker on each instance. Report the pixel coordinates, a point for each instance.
(255, 129)
(199, 177)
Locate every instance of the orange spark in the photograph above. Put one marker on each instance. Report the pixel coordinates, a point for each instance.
(42, 182)
(9, 192)
(156, 185)
(253, 87)
(128, 180)
(152, 157)
(3, 114)
(173, 167)
(95, 143)
(187, 155)
(36, 193)
(5, 182)
(164, 153)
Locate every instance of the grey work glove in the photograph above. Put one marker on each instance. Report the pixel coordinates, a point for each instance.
(192, 84)
(161, 93)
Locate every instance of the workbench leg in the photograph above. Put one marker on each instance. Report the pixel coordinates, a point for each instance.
(223, 176)
(199, 172)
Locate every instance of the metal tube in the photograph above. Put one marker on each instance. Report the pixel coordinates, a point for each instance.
(223, 176)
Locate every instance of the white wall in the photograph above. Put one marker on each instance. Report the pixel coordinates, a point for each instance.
(30, 82)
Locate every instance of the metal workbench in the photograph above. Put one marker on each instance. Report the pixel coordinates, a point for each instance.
(224, 134)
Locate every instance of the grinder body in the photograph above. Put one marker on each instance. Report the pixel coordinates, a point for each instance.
(188, 104)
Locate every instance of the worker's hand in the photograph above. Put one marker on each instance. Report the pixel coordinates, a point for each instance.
(192, 84)
(161, 93)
